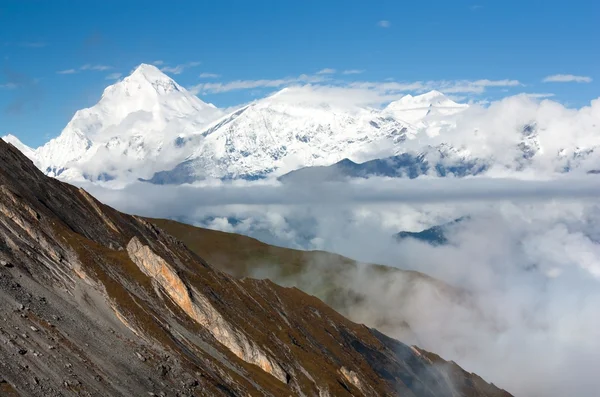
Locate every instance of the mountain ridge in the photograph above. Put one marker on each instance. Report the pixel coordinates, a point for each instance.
(147, 127)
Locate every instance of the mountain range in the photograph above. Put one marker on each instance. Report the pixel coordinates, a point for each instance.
(147, 127)
(101, 303)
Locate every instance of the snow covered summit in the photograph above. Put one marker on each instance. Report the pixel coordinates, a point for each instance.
(131, 131)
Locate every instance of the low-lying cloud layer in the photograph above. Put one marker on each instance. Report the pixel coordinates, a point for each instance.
(528, 255)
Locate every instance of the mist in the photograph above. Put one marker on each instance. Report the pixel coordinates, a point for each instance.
(519, 278)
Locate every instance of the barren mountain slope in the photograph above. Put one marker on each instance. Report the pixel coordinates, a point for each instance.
(95, 302)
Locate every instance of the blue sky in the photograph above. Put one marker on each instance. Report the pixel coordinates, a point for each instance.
(507, 47)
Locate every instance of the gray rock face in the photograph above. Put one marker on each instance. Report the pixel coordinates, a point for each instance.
(99, 303)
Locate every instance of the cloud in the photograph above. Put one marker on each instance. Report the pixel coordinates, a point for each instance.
(373, 190)
(352, 71)
(327, 71)
(8, 86)
(529, 268)
(475, 7)
(384, 24)
(33, 44)
(179, 68)
(253, 84)
(86, 67)
(98, 68)
(389, 89)
(538, 95)
(114, 76)
(567, 78)
(67, 71)
(384, 91)
(209, 75)
(158, 63)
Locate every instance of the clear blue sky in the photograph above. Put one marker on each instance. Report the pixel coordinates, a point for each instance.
(266, 40)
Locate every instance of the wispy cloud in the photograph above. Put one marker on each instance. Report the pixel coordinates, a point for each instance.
(476, 7)
(538, 95)
(178, 69)
(8, 86)
(114, 76)
(33, 44)
(237, 85)
(158, 63)
(327, 71)
(446, 86)
(567, 78)
(67, 71)
(384, 90)
(384, 24)
(86, 67)
(99, 68)
(353, 71)
(209, 75)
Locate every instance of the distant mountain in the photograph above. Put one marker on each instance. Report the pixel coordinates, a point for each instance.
(26, 150)
(435, 235)
(283, 132)
(148, 127)
(402, 166)
(134, 130)
(99, 303)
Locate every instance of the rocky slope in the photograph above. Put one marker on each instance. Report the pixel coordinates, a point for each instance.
(335, 279)
(96, 302)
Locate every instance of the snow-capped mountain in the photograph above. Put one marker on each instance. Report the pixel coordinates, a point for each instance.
(26, 150)
(131, 132)
(149, 127)
(416, 109)
(294, 128)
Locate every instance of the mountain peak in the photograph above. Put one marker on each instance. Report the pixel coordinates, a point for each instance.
(431, 94)
(16, 142)
(150, 73)
(145, 80)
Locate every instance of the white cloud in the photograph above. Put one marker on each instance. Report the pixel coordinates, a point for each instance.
(67, 71)
(98, 68)
(529, 269)
(384, 24)
(114, 76)
(253, 84)
(539, 95)
(353, 71)
(209, 75)
(180, 68)
(327, 71)
(567, 78)
(86, 67)
(390, 88)
(382, 91)
(158, 63)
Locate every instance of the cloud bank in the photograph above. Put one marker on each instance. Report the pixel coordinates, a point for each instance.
(567, 78)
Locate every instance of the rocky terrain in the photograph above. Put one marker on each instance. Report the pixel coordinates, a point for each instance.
(99, 303)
